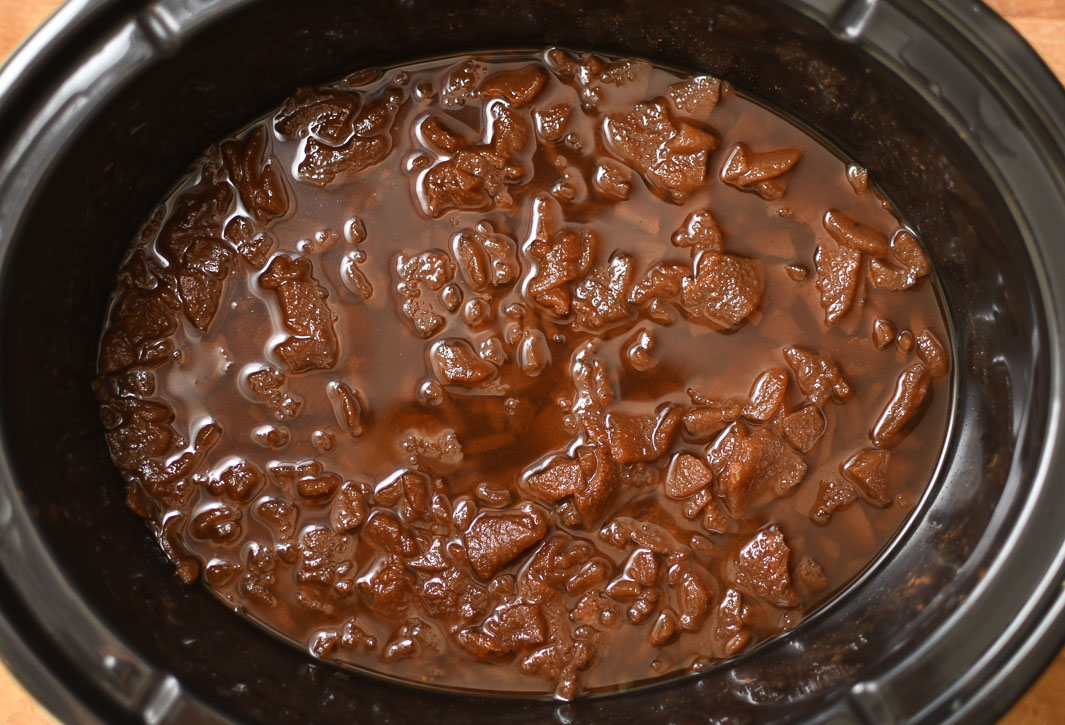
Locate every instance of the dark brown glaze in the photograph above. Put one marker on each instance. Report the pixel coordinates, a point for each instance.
(510, 373)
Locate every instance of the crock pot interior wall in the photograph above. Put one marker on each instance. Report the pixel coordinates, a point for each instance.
(110, 178)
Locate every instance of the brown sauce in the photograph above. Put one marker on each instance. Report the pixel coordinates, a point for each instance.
(522, 373)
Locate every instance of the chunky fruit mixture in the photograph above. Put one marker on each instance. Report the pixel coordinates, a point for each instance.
(524, 373)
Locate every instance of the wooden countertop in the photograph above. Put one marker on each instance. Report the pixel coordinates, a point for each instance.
(1042, 22)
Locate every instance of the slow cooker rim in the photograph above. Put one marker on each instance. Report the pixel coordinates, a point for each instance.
(35, 61)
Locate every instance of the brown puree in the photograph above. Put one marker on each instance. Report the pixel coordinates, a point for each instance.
(524, 373)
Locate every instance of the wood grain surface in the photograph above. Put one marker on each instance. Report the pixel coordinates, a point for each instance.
(1041, 22)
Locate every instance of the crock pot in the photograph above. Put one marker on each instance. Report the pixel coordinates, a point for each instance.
(958, 120)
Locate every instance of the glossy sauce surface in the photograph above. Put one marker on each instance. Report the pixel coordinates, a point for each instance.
(524, 373)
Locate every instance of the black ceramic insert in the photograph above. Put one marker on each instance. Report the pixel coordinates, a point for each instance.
(957, 120)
